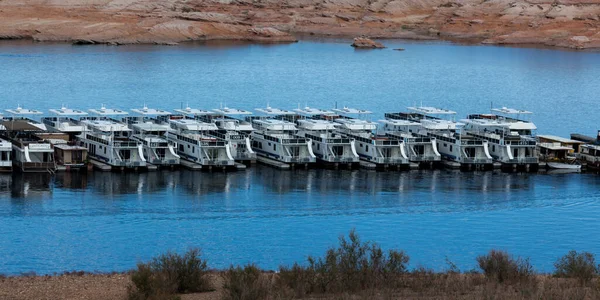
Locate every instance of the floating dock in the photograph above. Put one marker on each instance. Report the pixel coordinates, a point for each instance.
(273, 163)
(188, 164)
(100, 165)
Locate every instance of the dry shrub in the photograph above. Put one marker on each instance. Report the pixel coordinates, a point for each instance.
(581, 266)
(247, 283)
(500, 266)
(352, 267)
(170, 274)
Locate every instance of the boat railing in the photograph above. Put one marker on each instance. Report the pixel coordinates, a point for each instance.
(471, 142)
(125, 144)
(38, 165)
(423, 158)
(386, 142)
(216, 162)
(297, 141)
(245, 155)
(418, 140)
(476, 160)
(521, 143)
(213, 143)
(390, 160)
(522, 160)
(296, 159)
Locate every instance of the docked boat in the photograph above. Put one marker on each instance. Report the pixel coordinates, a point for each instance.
(419, 148)
(382, 150)
(276, 138)
(5, 156)
(236, 131)
(590, 155)
(565, 166)
(455, 147)
(30, 152)
(150, 133)
(193, 142)
(66, 120)
(107, 140)
(329, 146)
(505, 146)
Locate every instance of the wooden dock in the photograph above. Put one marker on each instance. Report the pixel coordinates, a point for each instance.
(100, 165)
(273, 163)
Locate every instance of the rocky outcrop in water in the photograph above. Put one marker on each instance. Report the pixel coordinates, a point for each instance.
(366, 43)
(561, 23)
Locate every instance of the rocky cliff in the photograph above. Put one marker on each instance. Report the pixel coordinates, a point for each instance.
(561, 23)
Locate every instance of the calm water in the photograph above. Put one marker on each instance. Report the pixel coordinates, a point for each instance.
(109, 222)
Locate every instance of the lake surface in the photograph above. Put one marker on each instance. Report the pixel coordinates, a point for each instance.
(109, 222)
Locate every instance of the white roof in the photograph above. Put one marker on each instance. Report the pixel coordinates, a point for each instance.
(310, 111)
(23, 111)
(357, 124)
(511, 111)
(232, 111)
(193, 111)
(150, 111)
(349, 110)
(310, 124)
(232, 124)
(559, 139)
(106, 125)
(486, 123)
(554, 146)
(275, 111)
(438, 124)
(194, 125)
(400, 122)
(103, 111)
(64, 111)
(274, 124)
(150, 126)
(428, 110)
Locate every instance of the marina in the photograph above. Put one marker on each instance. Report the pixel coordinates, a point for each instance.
(230, 139)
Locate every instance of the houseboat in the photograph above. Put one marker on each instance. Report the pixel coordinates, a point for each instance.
(382, 150)
(150, 133)
(233, 129)
(66, 120)
(276, 138)
(26, 115)
(419, 148)
(193, 142)
(329, 146)
(107, 140)
(505, 145)
(456, 148)
(70, 155)
(30, 153)
(5, 156)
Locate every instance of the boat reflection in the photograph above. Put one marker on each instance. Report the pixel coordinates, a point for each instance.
(29, 185)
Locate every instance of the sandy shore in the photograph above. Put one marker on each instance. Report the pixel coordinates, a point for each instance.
(562, 23)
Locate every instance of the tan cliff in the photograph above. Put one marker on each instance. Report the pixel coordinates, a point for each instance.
(561, 23)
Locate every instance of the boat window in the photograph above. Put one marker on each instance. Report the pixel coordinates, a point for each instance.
(367, 148)
(274, 147)
(494, 148)
(450, 148)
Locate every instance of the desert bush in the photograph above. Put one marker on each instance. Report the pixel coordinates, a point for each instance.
(502, 267)
(169, 274)
(247, 283)
(581, 266)
(351, 267)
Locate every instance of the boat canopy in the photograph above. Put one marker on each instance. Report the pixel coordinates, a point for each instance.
(145, 111)
(511, 111)
(192, 125)
(193, 111)
(275, 111)
(310, 111)
(64, 111)
(23, 111)
(428, 110)
(351, 111)
(231, 111)
(310, 124)
(103, 111)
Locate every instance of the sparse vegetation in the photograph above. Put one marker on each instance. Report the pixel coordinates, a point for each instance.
(500, 266)
(581, 266)
(247, 283)
(169, 274)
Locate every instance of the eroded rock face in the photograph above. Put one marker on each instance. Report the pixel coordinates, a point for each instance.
(366, 43)
(564, 23)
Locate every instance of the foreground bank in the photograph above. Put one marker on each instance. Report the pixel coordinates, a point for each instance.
(352, 270)
(571, 24)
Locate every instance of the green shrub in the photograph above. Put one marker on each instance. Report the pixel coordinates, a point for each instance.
(169, 274)
(502, 267)
(351, 267)
(247, 283)
(577, 265)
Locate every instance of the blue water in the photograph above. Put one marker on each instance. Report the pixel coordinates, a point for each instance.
(109, 222)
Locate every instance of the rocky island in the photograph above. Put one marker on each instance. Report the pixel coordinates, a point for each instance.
(557, 23)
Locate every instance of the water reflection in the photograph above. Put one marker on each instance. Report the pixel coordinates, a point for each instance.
(30, 185)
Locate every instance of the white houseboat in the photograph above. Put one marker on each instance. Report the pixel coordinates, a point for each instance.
(66, 120)
(233, 129)
(276, 139)
(381, 150)
(505, 145)
(151, 134)
(419, 148)
(30, 153)
(5, 156)
(456, 147)
(107, 140)
(193, 142)
(328, 145)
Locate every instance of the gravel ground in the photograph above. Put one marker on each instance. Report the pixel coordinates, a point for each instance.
(88, 286)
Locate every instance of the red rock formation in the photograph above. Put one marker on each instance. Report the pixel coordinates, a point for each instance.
(366, 43)
(561, 23)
